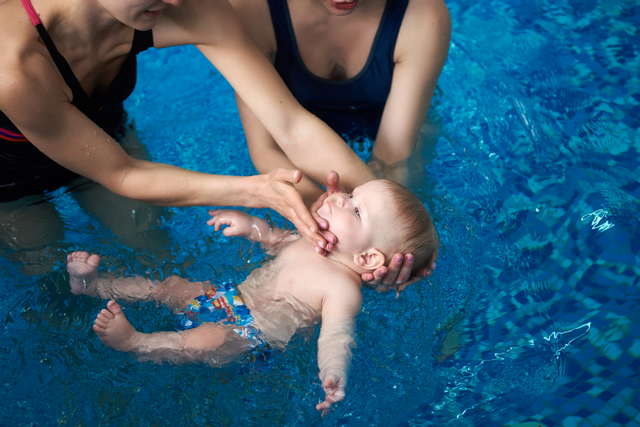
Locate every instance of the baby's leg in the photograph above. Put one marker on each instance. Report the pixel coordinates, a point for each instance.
(116, 332)
(174, 292)
(83, 271)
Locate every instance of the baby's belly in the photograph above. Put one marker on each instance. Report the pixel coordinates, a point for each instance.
(280, 319)
(278, 315)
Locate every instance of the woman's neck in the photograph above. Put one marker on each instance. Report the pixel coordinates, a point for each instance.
(77, 24)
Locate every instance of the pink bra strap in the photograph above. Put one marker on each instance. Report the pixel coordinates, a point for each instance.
(31, 11)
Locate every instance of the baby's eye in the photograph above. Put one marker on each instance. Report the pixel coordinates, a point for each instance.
(357, 212)
(351, 196)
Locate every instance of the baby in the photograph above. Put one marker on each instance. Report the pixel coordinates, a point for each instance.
(296, 289)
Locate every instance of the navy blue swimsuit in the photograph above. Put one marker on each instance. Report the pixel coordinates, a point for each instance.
(352, 107)
(24, 170)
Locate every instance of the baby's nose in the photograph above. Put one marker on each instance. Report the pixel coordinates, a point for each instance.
(340, 202)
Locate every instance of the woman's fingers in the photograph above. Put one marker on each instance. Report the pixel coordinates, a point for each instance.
(333, 186)
(322, 223)
(309, 232)
(387, 275)
(330, 238)
(405, 269)
(281, 196)
(333, 183)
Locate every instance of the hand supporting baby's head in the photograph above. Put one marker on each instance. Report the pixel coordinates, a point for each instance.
(378, 219)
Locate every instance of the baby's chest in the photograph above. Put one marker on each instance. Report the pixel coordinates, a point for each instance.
(300, 278)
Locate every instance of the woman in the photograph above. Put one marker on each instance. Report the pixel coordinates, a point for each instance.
(365, 67)
(67, 65)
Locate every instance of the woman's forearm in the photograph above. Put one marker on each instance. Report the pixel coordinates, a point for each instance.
(167, 185)
(269, 156)
(307, 141)
(317, 150)
(266, 155)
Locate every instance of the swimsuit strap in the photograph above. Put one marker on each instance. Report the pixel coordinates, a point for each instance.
(65, 69)
(62, 64)
(7, 135)
(35, 19)
(142, 40)
(390, 28)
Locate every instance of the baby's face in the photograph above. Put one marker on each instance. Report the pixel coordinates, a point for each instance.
(360, 220)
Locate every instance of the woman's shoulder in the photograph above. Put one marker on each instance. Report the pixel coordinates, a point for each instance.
(425, 22)
(426, 13)
(428, 7)
(17, 32)
(24, 60)
(256, 20)
(213, 22)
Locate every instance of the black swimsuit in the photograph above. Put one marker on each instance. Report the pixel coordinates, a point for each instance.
(353, 107)
(24, 170)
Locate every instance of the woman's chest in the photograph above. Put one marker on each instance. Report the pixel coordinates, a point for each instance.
(336, 52)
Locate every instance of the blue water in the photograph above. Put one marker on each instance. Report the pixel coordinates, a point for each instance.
(530, 164)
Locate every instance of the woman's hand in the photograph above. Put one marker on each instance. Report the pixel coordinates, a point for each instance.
(398, 275)
(333, 186)
(279, 194)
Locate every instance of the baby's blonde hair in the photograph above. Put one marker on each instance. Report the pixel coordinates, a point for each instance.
(416, 233)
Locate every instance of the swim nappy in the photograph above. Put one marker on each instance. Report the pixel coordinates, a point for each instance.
(222, 303)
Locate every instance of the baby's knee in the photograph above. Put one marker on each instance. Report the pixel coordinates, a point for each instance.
(205, 337)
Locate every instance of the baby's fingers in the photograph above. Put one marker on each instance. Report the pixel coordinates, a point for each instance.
(324, 407)
(230, 231)
(215, 212)
(214, 216)
(218, 222)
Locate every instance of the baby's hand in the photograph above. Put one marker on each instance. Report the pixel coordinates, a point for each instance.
(333, 386)
(239, 223)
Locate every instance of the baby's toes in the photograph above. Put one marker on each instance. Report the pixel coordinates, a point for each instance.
(114, 308)
(106, 315)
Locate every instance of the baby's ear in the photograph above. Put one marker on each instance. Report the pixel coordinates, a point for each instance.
(370, 260)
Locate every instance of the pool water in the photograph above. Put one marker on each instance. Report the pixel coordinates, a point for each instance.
(530, 164)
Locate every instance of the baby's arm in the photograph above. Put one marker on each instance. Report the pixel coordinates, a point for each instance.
(336, 341)
(244, 225)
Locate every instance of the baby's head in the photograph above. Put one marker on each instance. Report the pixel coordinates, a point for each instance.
(377, 220)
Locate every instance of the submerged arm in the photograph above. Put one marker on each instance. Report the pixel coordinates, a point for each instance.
(336, 341)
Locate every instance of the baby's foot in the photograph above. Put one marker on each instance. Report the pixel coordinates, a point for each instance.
(113, 328)
(83, 270)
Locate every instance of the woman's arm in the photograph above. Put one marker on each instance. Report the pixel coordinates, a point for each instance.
(266, 154)
(420, 53)
(214, 28)
(38, 103)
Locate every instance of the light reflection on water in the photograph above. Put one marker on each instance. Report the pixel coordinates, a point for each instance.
(530, 157)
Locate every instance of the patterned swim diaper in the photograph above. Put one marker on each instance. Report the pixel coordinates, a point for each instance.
(223, 303)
